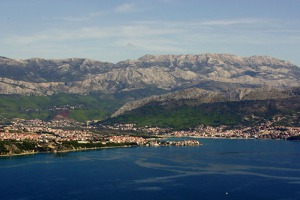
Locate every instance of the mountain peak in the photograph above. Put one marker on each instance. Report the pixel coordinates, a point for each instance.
(146, 57)
(163, 72)
(267, 61)
(214, 58)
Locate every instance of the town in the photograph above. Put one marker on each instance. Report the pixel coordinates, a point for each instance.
(70, 130)
(265, 130)
(34, 136)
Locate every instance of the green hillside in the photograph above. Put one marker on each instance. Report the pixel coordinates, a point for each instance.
(95, 106)
(213, 114)
(74, 106)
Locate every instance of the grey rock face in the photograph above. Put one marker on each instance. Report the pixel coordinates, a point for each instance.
(169, 72)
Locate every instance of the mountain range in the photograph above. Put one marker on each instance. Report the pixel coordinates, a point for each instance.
(200, 84)
(162, 72)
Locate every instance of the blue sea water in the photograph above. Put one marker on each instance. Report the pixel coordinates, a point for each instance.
(220, 169)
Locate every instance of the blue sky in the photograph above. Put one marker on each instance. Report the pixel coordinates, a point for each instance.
(115, 30)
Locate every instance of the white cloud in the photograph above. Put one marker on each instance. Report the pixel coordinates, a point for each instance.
(88, 33)
(125, 8)
(97, 14)
(229, 22)
(146, 30)
(158, 37)
(170, 1)
(82, 18)
(179, 31)
(61, 35)
(154, 45)
(73, 18)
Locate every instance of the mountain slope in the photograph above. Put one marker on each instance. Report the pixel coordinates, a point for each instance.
(164, 72)
(70, 106)
(196, 96)
(182, 115)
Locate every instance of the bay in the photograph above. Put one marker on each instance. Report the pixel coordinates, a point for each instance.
(220, 169)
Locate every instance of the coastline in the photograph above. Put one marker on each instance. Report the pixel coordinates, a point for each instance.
(202, 137)
(20, 154)
(64, 151)
(74, 148)
(122, 146)
(226, 138)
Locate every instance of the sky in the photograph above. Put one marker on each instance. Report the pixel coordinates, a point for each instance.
(116, 30)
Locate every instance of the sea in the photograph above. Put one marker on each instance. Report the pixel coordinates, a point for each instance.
(219, 169)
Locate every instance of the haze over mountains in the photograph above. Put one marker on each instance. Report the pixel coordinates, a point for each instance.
(165, 73)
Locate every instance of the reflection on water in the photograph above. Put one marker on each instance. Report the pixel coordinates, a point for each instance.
(221, 169)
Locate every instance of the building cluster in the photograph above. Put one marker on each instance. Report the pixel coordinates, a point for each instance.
(174, 143)
(55, 135)
(65, 107)
(143, 142)
(263, 131)
(47, 132)
(121, 127)
(57, 108)
(34, 124)
(127, 139)
(37, 130)
(133, 127)
(67, 130)
(258, 132)
(19, 136)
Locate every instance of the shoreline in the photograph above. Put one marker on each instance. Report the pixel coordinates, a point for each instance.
(226, 138)
(64, 151)
(202, 137)
(20, 154)
(124, 146)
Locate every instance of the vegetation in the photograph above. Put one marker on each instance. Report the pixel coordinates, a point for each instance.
(95, 106)
(3, 149)
(183, 117)
(212, 114)
(182, 114)
(74, 106)
(18, 147)
(26, 145)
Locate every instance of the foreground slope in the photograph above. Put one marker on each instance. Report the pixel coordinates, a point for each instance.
(184, 115)
(197, 96)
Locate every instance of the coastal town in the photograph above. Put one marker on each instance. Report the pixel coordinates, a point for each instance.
(42, 133)
(265, 130)
(68, 135)
(70, 130)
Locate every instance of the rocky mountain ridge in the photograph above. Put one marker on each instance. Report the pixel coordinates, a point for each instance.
(167, 72)
(197, 96)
